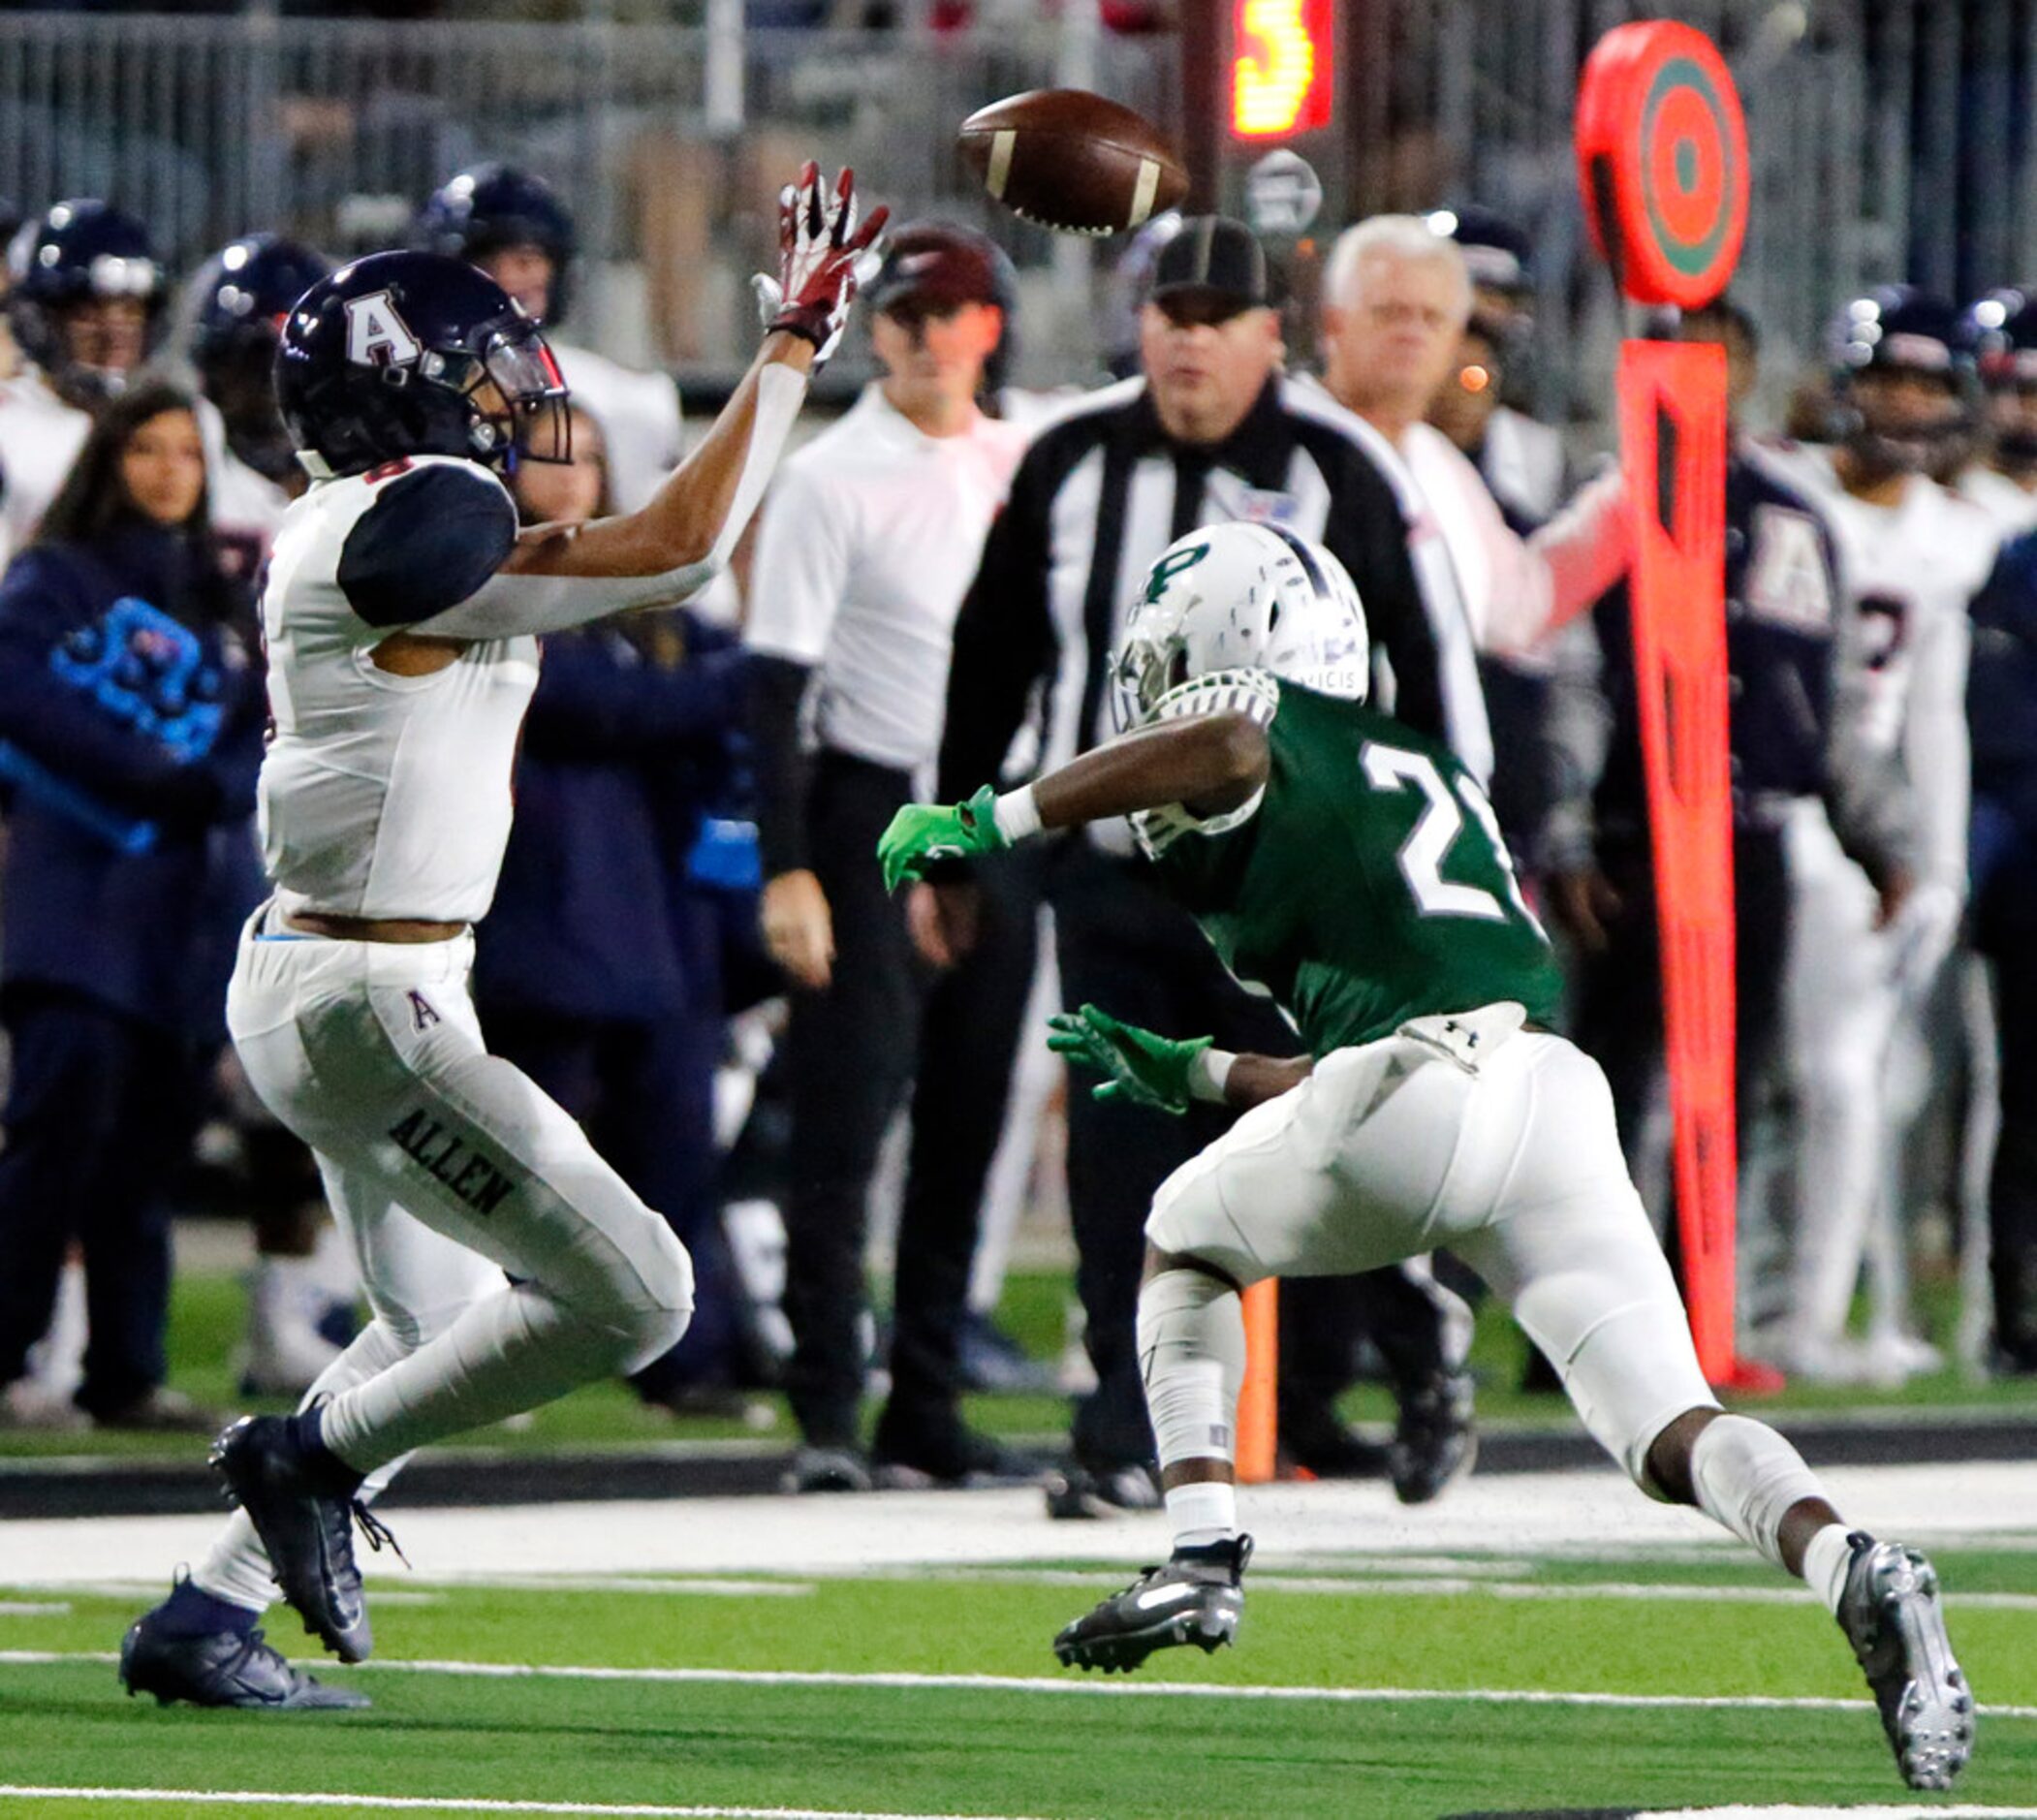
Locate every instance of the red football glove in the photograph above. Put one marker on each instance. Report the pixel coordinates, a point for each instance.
(820, 252)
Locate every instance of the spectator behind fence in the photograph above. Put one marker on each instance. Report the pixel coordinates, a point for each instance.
(130, 734)
(597, 971)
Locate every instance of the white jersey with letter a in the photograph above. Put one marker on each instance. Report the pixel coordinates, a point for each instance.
(382, 796)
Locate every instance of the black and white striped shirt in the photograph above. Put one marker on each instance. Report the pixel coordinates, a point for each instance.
(1104, 490)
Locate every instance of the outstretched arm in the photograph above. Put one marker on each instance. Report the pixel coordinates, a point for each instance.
(565, 575)
(1209, 764)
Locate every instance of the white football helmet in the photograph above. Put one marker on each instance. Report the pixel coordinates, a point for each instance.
(1242, 597)
(1228, 614)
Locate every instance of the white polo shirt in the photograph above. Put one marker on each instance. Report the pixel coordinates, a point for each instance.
(867, 543)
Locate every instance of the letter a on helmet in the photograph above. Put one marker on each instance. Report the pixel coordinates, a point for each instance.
(376, 335)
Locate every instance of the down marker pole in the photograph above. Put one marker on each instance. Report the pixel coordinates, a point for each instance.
(1662, 161)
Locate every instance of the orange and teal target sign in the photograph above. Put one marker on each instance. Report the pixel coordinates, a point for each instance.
(1662, 159)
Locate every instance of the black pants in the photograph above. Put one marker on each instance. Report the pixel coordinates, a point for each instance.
(1618, 1004)
(100, 1110)
(644, 1093)
(2008, 936)
(853, 1049)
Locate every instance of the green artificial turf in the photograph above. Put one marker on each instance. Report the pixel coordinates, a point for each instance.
(941, 1750)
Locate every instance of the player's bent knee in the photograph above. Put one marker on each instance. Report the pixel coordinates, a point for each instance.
(666, 1309)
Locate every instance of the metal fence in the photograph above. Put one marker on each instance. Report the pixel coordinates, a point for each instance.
(1890, 139)
(669, 143)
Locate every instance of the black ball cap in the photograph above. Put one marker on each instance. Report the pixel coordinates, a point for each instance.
(934, 267)
(1219, 257)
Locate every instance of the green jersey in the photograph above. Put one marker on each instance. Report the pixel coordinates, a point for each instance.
(1370, 886)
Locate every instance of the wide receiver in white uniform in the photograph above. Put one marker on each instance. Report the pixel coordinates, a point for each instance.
(1911, 558)
(401, 614)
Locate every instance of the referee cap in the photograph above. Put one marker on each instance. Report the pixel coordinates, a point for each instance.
(1216, 256)
(936, 266)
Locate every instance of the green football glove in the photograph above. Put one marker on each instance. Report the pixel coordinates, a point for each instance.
(1144, 1069)
(922, 832)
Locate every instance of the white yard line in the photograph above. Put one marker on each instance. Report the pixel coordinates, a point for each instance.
(1912, 1812)
(1516, 1514)
(1061, 1684)
(436, 1803)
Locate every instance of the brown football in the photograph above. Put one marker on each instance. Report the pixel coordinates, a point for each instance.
(1073, 161)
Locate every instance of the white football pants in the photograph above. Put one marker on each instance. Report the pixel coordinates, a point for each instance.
(444, 1167)
(1393, 1149)
(1842, 1011)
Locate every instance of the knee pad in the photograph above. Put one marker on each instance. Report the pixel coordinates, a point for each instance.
(1192, 1358)
(1748, 1477)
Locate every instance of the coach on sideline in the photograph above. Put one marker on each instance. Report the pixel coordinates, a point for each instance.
(868, 540)
(1211, 432)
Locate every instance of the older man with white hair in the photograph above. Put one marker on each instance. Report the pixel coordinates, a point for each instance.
(1397, 297)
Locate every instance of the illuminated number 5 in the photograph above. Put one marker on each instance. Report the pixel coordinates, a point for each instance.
(1428, 845)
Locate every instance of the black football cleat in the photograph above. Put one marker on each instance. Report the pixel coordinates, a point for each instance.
(1435, 1442)
(1890, 1615)
(223, 1668)
(1197, 1597)
(304, 1513)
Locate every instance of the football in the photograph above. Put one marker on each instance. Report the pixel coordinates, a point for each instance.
(1072, 161)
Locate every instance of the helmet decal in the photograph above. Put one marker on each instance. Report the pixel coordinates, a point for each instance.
(377, 335)
(1170, 565)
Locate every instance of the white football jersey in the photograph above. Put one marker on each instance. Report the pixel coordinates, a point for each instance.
(1908, 573)
(40, 437)
(381, 795)
(2012, 506)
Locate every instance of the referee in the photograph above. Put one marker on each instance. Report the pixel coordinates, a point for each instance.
(868, 541)
(1211, 432)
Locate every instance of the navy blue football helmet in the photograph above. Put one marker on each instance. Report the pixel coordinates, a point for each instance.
(236, 308)
(2000, 332)
(1901, 330)
(494, 205)
(80, 251)
(406, 354)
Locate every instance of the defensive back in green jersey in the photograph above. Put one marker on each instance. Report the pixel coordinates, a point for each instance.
(1371, 886)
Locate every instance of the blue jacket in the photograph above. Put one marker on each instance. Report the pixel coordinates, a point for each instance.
(2001, 711)
(622, 756)
(130, 723)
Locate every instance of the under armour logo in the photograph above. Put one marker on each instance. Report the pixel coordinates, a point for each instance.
(376, 335)
(422, 1015)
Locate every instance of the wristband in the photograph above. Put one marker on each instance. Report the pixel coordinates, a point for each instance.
(1209, 1072)
(1017, 815)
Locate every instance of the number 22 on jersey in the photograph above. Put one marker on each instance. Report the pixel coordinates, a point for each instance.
(1437, 829)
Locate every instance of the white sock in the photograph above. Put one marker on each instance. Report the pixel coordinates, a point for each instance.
(509, 1350)
(1203, 1513)
(1748, 1478)
(1826, 1563)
